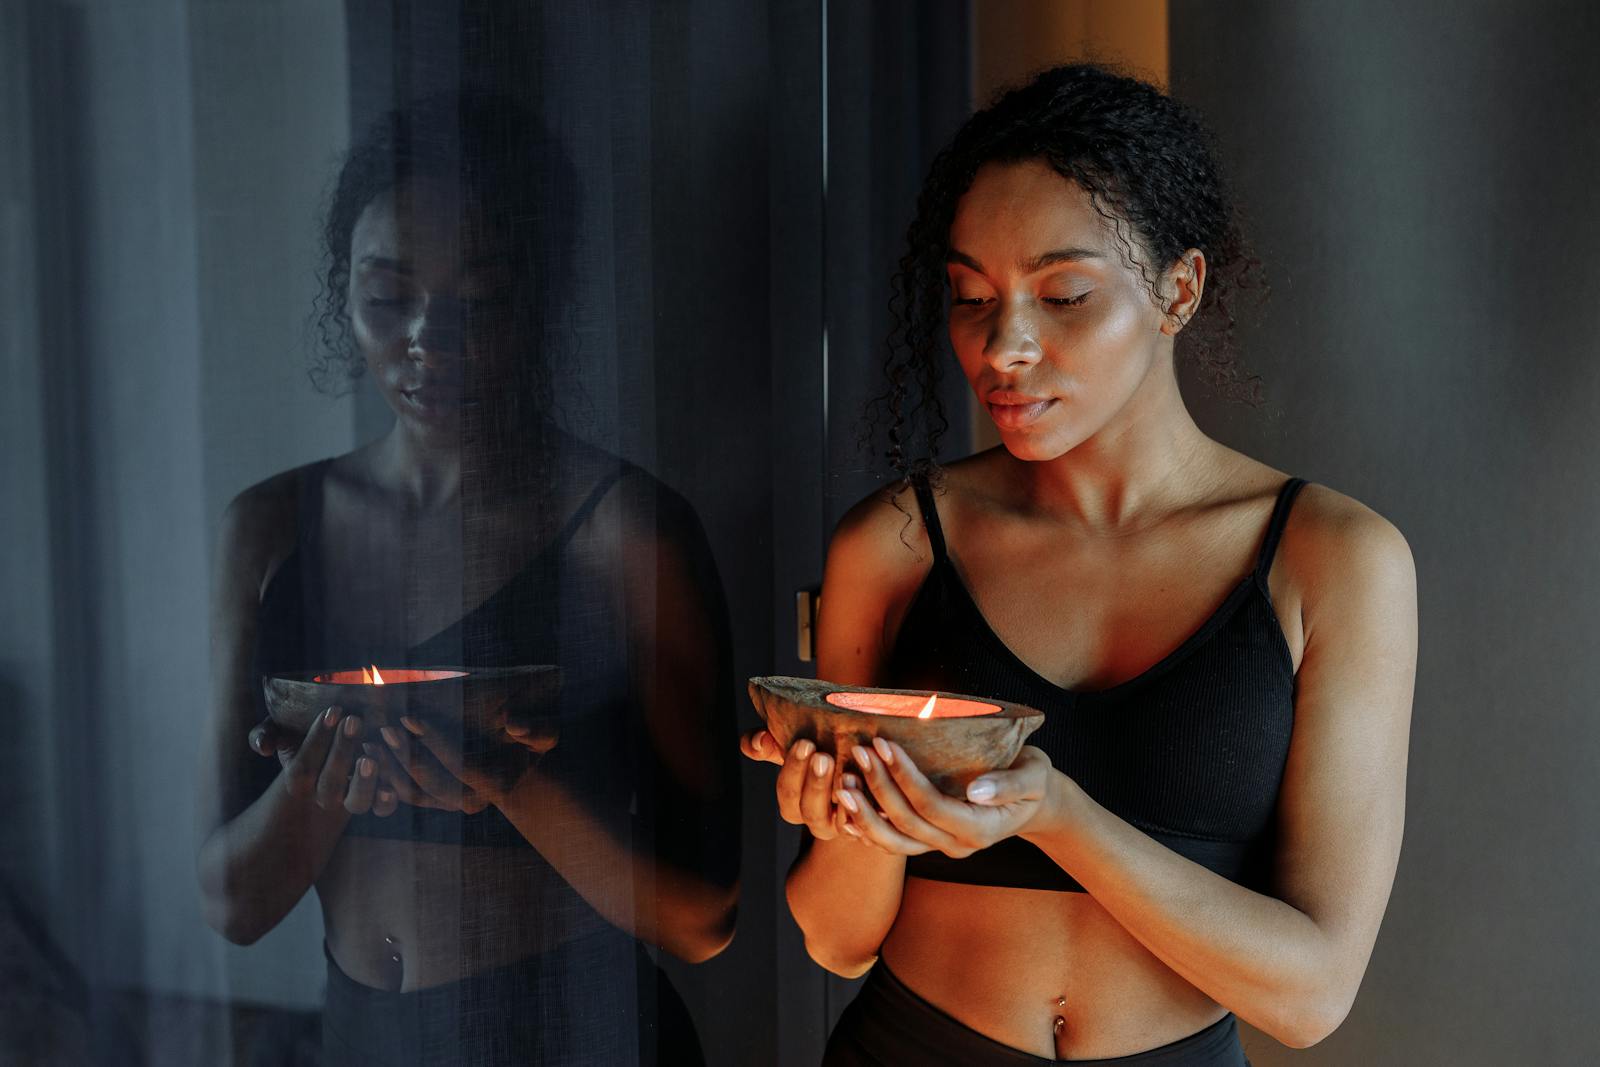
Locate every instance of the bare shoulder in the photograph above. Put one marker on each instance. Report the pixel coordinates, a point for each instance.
(883, 534)
(1340, 552)
(258, 525)
(635, 504)
(1330, 533)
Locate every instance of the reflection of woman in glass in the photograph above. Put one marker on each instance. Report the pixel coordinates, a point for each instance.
(1207, 825)
(481, 896)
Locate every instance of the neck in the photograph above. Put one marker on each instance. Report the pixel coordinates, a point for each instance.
(500, 449)
(424, 470)
(1147, 459)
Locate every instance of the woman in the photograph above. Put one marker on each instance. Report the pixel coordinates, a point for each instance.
(1207, 825)
(481, 895)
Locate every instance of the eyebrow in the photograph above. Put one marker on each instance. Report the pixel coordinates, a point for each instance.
(1039, 262)
(484, 264)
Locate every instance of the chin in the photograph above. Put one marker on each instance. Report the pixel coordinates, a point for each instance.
(1033, 449)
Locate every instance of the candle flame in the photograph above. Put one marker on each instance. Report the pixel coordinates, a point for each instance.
(927, 709)
(371, 677)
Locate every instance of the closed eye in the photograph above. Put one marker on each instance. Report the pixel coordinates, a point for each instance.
(1066, 301)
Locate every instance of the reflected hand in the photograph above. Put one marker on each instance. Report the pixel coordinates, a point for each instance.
(326, 765)
(907, 815)
(471, 772)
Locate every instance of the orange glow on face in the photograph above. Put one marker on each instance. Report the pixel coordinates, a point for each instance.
(372, 676)
(909, 706)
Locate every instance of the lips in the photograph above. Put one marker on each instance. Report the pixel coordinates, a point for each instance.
(433, 399)
(1013, 411)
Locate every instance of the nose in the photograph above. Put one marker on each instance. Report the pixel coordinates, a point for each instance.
(1012, 341)
(434, 333)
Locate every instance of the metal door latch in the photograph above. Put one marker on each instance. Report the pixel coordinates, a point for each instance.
(806, 604)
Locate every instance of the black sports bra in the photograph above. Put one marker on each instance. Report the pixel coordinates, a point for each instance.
(546, 613)
(1191, 751)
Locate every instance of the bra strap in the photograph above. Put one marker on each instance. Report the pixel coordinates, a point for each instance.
(1280, 518)
(930, 514)
(581, 516)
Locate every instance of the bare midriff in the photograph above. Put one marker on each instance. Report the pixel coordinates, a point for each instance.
(1050, 973)
(405, 915)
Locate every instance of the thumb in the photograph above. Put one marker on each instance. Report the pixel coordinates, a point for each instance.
(540, 736)
(760, 746)
(996, 789)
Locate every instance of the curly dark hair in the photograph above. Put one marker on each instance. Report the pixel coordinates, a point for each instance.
(514, 181)
(1148, 166)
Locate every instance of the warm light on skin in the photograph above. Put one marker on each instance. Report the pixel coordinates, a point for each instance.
(1044, 306)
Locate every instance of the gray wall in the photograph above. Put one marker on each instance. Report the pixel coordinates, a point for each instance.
(1420, 181)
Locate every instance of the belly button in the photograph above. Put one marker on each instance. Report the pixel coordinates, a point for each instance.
(396, 964)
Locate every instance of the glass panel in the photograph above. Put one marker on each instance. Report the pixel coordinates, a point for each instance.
(489, 373)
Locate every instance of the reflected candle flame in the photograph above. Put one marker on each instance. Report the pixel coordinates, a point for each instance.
(927, 709)
(396, 676)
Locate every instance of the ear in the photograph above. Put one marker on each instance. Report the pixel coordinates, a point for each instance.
(1185, 281)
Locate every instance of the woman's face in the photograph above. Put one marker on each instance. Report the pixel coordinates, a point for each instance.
(1054, 330)
(428, 301)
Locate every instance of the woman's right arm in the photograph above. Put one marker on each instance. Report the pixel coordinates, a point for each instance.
(844, 893)
(266, 830)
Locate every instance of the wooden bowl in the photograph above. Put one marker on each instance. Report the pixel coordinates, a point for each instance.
(478, 698)
(964, 737)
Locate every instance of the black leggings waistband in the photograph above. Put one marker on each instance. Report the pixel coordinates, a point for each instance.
(599, 1000)
(888, 1024)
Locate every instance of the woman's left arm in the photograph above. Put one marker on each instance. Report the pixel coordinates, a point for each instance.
(1288, 964)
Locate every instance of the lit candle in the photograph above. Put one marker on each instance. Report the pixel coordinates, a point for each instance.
(910, 706)
(372, 676)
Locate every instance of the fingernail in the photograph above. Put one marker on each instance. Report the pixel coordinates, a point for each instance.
(849, 802)
(330, 716)
(850, 828)
(364, 767)
(821, 764)
(981, 790)
(883, 750)
(386, 795)
(390, 736)
(352, 726)
(851, 781)
(803, 749)
(863, 758)
(370, 749)
(411, 724)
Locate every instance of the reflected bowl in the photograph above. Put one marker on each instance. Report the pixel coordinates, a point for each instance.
(479, 700)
